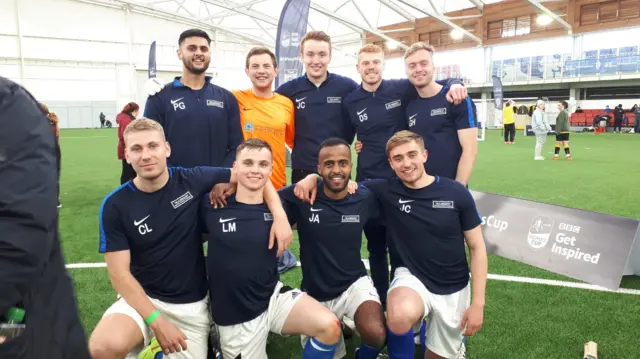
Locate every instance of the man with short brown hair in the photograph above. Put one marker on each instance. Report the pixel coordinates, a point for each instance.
(264, 114)
(317, 96)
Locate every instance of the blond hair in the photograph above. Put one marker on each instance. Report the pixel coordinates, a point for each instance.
(317, 36)
(143, 124)
(417, 47)
(370, 49)
(402, 137)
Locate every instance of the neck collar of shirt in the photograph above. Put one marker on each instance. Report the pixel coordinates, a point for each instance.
(176, 81)
(324, 196)
(380, 87)
(329, 76)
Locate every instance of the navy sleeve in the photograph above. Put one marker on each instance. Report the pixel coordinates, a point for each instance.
(469, 216)
(154, 110)
(284, 89)
(451, 81)
(289, 202)
(464, 114)
(204, 178)
(112, 236)
(376, 186)
(235, 130)
(373, 206)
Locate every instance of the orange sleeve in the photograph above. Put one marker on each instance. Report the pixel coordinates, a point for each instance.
(291, 125)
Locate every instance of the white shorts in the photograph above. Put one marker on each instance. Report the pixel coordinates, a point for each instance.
(347, 304)
(249, 339)
(193, 319)
(444, 313)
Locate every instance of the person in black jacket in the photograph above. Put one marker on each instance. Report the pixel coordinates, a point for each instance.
(618, 115)
(32, 269)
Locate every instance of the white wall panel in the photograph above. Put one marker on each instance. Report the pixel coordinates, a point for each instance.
(8, 24)
(74, 50)
(76, 90)
(9, 46)
(71, 19)
(601, 104)
(10, 70)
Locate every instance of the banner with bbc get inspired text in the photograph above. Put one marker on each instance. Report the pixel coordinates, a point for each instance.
(588, 246)
(291, 28)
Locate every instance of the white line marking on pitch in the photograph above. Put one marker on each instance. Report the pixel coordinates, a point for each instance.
(501, 277)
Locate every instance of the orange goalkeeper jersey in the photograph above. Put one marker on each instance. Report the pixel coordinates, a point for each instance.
(271, 120)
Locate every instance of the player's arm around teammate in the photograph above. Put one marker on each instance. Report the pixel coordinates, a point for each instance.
(330, 233)
(248, 300)
(156, 265)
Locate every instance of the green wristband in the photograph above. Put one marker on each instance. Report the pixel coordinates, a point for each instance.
(153, 316)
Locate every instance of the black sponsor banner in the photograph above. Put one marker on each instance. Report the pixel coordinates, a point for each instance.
(588, 246)
(291, 28)
(497, 92)
(528, 131)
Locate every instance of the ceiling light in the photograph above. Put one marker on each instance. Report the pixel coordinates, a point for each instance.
(456, 34)
(392, 45)
(544, 20)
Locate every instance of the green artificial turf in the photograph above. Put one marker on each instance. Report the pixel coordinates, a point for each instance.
(521, 320)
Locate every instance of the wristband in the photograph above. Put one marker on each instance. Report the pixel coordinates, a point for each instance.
(153, 316)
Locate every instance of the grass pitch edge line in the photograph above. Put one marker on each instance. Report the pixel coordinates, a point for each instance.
(506, 278)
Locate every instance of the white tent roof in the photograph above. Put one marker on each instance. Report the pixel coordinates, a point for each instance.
(256, 20)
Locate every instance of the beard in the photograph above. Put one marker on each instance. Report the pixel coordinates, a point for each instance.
(196, 71)
(336, 189)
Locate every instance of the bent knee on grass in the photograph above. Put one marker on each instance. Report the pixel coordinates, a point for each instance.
(371, 325)
(404, 309)
(309, 317)
(114, 337)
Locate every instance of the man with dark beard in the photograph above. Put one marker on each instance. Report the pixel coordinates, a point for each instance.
(201, 120)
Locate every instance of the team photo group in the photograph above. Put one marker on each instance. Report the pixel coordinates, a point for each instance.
(209, 171)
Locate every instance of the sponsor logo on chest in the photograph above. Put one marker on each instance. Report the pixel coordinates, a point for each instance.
(351, 218)
(392, 104)
(443, 204)
(439, 111)
(215, 103)
(334, 99)
(186, 197)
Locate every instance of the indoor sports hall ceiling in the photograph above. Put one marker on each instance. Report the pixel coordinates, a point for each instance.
(256, 20)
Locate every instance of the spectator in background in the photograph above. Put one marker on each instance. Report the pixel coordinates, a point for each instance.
(103, 118)
(636, 113)
(618, 115)
(540, 127)
(562, 130)
(509, 122)
(32, 269)
(54, 121)
(123, 119)
(579, 110)
(607, 109)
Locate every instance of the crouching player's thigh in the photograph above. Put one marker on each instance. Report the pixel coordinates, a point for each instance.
(123, 333)
(360, 303)
(290, 312)
(410, 302)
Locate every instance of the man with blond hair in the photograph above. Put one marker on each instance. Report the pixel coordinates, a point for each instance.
(450, 130)
(376, 111)
(317, 96)
(150, 239)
